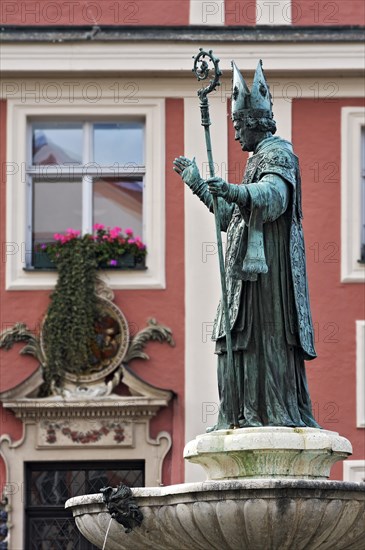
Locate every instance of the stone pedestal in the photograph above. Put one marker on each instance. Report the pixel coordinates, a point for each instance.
(268, 452)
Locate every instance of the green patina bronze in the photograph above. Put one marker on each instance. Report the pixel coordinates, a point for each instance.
(266, 291)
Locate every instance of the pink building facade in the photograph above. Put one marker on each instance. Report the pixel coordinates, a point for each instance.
(82, 65)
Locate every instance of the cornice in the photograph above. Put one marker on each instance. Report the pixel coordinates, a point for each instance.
(267, 33)
(131, 408)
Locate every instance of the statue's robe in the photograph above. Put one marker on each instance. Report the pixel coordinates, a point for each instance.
(271, 325)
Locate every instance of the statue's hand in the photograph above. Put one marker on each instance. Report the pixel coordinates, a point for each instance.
(218, 187)
(187, 170)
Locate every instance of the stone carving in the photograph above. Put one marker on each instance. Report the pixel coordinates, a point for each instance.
(122, 506)
(275, 514)
(116, 349)
(102, 433)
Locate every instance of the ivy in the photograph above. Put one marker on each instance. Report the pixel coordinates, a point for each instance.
(70, 322)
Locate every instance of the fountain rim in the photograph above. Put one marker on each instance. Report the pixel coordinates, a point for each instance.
(232, 488)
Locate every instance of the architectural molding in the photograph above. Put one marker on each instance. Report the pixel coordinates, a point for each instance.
(134, 57)
(59, 429)
(205, 13)
(360, 374)
(20, 110)
(203, 33)
(354, 471)
(352, 121)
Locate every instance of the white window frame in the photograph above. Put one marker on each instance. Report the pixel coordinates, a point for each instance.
(352, 121)
(354, 470)
(86, 171)
(19, 114)
(360, 374)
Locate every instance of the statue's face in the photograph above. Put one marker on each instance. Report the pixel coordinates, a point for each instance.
(247, 137)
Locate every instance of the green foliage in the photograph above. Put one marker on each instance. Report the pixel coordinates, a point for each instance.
(109, 244)
(69, 325)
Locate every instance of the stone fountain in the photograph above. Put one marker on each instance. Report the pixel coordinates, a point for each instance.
(266, 488)
(267, 484)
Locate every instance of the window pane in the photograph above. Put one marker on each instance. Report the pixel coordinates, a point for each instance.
(119, 202)
(120, 143)
(52, 487)
(56, 207)
(57, 143)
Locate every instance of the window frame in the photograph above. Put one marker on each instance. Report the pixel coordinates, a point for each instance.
(58, 511)
(360, 374)
(352, 121)
(86, 172)
(18, 208)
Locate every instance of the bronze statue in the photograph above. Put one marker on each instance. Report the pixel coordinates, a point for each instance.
(267, 293)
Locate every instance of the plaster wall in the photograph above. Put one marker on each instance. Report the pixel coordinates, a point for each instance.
(322, 12)
(166, 365)
(100, 12)
(335, 306)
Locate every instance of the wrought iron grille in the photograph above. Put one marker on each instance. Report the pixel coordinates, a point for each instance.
(49, 484)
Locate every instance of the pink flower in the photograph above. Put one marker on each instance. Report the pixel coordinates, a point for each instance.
(57, 236)
(98, 226)
(113, 262)
(115, 232)
(129, 232)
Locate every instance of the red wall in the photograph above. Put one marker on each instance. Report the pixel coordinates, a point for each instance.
(335, 305)
(324, 12)
(166, 365)
(95, 12)
(240, 13)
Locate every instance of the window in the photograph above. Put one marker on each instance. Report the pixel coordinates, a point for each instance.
(353, 195)
(360, 374)
(81, 173)
(49, 484)
(362, 252)
(80, 176)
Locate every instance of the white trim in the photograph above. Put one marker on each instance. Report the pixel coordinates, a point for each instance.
(153, 110)
(202, 287)
(273, 12)
(203, 12)
(283, 117)
(360, 374)
(15, 453)
(354, 471)
(352, 119)
(172, 58)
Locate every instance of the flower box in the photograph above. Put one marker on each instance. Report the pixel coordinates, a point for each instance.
(112, 248)
(127, 261)
(42, 260)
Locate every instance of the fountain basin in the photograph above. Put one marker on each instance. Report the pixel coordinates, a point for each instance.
(250, 514)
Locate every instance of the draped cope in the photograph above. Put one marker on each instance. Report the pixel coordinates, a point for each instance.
(271, 325)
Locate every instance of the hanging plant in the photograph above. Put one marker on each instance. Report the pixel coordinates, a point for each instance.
(78, 335)
(68, 330)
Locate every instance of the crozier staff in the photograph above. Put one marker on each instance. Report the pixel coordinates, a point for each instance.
(267, 292)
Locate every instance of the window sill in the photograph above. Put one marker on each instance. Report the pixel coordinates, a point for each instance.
(109, 268)
(151, 278)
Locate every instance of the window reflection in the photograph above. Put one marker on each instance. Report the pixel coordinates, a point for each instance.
(120, 142)
(119, 202)
(56, 206)
(57, 143)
